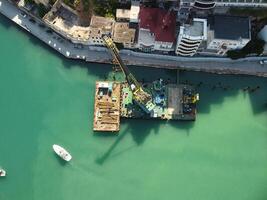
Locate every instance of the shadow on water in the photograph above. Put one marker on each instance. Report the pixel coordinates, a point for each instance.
(100, 160)
(182, 125)
(139, 133)
(214, 89)
(60, 160)
(97, 69)
(3, 178)
(5, 22)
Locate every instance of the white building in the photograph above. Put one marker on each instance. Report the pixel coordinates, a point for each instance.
(129, 14)
(134, 11)
(228, 33)
(190, 37)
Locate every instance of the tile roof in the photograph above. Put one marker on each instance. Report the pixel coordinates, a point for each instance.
(160, 22)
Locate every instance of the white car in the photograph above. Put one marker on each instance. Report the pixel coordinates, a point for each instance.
(262, 62)
(23, 14)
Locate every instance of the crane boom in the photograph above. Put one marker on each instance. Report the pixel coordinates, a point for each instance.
(143, 98)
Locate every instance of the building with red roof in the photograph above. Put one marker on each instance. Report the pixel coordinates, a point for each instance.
(157, 29)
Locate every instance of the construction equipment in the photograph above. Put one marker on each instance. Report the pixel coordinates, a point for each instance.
(140, 96)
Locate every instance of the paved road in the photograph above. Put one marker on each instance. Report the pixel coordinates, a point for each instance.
(224, 66)
(248, 66)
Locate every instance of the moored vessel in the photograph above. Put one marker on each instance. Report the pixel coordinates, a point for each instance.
(61, 152)
(2, 173)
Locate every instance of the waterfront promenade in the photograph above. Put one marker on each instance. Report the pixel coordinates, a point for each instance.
(248, 66)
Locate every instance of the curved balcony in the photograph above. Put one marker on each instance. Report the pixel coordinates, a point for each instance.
(189, 45)
(185, 53)
(189, 41)
(186, 50)
(202, 4)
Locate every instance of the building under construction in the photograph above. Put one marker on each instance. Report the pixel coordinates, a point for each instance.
(131, 99)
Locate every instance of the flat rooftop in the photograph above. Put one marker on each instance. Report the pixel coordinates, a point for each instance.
(107, 106)
(196, 29)
(122, 14)
(105, 24)
(181, 105)
(230, 27)
(175, 95)
(122, 33)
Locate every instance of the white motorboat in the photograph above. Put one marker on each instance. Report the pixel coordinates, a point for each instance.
(2, 172)
(61, 152)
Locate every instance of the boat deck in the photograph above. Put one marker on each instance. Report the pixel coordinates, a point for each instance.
(179, 107)
(173, 102)
(107, 106)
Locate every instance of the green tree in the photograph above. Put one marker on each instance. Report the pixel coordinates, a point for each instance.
(255, 46)
(105, 8)
(29, 1)
(42, 10)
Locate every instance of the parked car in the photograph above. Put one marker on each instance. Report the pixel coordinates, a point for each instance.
(262, 62)
(23, 14)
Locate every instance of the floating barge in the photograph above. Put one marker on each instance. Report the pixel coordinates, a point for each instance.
(114, 100)
(107, 106)
(172, 102)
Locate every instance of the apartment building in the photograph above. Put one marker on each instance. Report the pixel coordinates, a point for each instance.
(190, 37)
(228, 33)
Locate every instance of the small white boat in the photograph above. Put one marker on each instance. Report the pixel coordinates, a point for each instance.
(61, 152)
(2, 172)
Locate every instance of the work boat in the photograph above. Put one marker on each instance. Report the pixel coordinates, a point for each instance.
(61, 152)
(2, 172)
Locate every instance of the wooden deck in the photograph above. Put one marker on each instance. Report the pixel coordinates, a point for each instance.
(107, 106)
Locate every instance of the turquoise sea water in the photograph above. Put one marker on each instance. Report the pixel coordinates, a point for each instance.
(46, 99)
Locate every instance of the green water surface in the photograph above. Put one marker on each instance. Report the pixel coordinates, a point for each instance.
(46, 99)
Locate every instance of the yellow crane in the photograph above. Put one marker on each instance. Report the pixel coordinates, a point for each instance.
(141, 97)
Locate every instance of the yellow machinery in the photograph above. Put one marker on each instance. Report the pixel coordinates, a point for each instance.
(143, 98)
